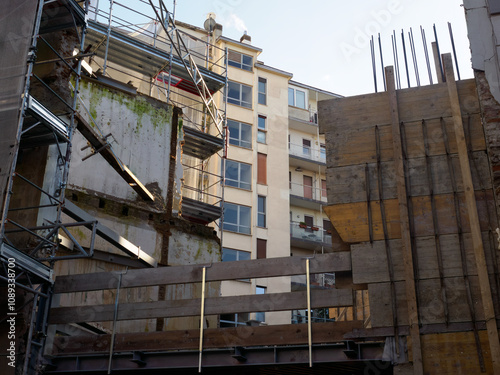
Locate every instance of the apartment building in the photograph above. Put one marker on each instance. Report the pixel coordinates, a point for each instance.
(274, 172)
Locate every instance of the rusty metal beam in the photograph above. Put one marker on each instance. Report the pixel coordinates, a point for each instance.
(329, 357)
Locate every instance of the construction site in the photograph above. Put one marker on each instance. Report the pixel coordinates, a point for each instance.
(116, 122)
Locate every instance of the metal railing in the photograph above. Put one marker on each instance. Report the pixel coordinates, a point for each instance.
(314, 154)
(308, 233)
(303, 115)
(308, 192)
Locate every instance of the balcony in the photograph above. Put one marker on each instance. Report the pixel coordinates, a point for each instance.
(306, 196)
(303, 120)
(306, 157)
(309, 237)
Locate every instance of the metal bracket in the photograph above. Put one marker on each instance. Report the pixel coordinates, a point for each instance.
(351, 351)
(239, 354)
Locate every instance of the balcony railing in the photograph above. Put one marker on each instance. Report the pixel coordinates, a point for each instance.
(303, 115)
(311, 153)
(308, 233)
(308, 192)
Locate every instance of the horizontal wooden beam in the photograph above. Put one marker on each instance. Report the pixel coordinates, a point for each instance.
(289, 334)
(191, 307)
(273, 267)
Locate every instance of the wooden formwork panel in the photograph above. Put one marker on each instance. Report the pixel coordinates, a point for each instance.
(352, 223)
(356, 183)
(358, 145)
(431, 307)
(454, 353)
(415, 104)
(369, 260)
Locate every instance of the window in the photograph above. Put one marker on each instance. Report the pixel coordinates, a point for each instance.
(238, 174)
(239, 60)
(230, 255)
(296, 98)
(262, 99)
(323, 188)
(261, 131)
(322, 152)
(240, 134)
(261, 211)
(234, 320)
(306, 147)
(260, 316)
(237, 218)
(261, 248)
(239, 94)
(262, 169)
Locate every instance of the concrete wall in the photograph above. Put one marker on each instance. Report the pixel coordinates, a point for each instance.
(141, 131)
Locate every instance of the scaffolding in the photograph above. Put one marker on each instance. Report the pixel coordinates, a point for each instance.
(30, 227)
(40, 118)
(158, 59)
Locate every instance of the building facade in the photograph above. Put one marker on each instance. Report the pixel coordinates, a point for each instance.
(270, 210)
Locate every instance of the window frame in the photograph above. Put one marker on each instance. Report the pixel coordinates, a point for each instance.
(262, 130)
(239, 101)
(239, 182)
(239, 141)
(238, 319)
(260, 290)
(292, 93)
(262, 214)
(262, 94)
(238, 224)
(239, 64)
(238, 254)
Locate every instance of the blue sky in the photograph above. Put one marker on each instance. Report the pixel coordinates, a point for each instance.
(324, 43)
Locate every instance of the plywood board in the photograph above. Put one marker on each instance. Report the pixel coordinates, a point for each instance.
(415, 104)
(357, 144)
(349, 184)
(381, 305)
(454, 353)
(351, 219)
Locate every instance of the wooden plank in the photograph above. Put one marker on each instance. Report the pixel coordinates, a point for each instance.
(369, 261)
(381, 305)
(470, 198)
(351, 219)
(245, 336)
(271, 267)
(411, 295)
(347, 183)
(454, 353)
(416, 104)
(191, 307)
